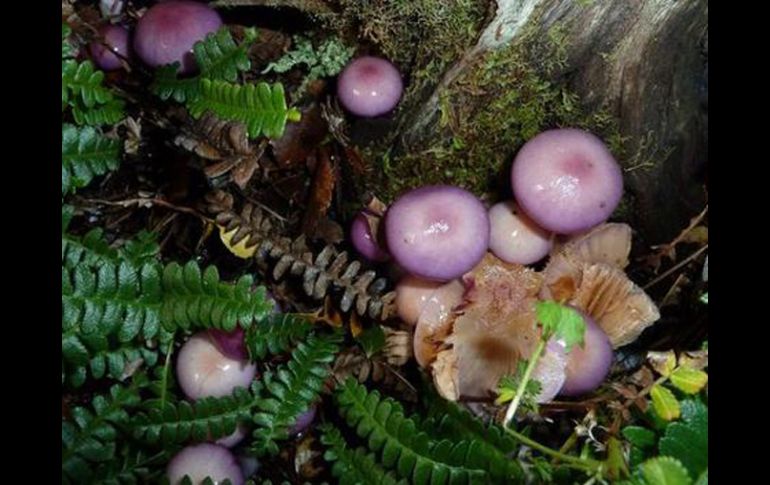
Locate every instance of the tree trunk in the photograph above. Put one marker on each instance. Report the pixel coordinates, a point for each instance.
(645, 62)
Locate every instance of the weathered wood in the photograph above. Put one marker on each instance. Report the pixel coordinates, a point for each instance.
(643, 61)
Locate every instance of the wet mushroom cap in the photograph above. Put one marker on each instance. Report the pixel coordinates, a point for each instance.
(167, 32)
(514, 237)
(369, 86)
(566, 180)
(437, 232)
(112, 39)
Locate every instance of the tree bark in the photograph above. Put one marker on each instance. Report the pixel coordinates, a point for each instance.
(644, 61)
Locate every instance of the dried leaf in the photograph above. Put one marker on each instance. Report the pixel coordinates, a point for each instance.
(324, 180)
(698, 359)
(662, 362)
(300, 139)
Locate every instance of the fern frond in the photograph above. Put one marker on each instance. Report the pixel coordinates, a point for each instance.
(200, 300)
(107, 312)
(275, 334)
(131, 467)
(85, 155)
(400, 445)
(90, 249)
(106, 114)
(89, 437)
(83, 82)
(206, 419)
(261, 107)
(291, 390)
(449, 421)
(352, 467)
(219, 57)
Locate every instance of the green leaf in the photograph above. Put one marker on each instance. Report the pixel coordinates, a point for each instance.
(108, 113)
(372, 340)
(705, 298)
(687, 440)
(261, 107)
(166, 85)
(562, 321)
(703, 479)
(665, 470)
(352, 467)
(689, 380)
(291, 390)
(639, 437)
(664, 403)
(219, 57)
(66, 47)
(82, 83)
(86, 154)
(276, 334)
(395, 439)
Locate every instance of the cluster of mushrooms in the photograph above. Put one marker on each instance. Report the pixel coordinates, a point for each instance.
(468, 288)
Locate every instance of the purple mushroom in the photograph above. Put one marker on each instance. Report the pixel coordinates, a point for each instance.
(514, 238)
(364, 241)
(369, 86)
(589, 364)
(108, 48)
(204, 460)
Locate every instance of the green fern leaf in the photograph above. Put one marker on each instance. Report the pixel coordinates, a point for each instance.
(275, 334)
(206, 419)
(261, 107)
(89, 437)
(106, 114)
(219, 57)
(291, 390)
(83, 82)
(166, 85)
(352, 467)
(131, 466)
(399, 445)
(90, 249)
(687, 440)
(108, 311)
(85, 155)
(449, 421)
(200, 300)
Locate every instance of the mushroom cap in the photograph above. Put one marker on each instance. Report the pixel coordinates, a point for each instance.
(369, 86)
(566, 180)
(514, 237)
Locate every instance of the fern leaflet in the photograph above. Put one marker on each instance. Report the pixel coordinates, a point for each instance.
(261, 107)
(352, 467)
(85, 155)
(275, 334)
(291, 390)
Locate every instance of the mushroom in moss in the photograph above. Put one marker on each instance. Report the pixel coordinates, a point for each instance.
(566, 180)
(514, 237)
(167, 32)
(110, 47)
(437, 232)
(369, 86)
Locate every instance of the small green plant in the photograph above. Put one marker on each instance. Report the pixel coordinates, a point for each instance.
(558, 321)
(326, 60)
(261, 107)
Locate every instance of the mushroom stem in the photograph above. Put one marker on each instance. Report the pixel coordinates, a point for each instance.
(523, 384)
(587, 464)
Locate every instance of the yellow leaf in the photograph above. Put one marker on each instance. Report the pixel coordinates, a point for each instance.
(689, 380)
(240, 249)
(664, 403)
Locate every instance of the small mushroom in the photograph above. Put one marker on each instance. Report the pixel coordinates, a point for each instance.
(369, 86)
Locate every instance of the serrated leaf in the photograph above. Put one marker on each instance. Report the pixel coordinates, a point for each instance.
(639, 436)
(687, 440)
(562, 321)
(689, 380)
(665, 470)
(663, 363)
(664, 403)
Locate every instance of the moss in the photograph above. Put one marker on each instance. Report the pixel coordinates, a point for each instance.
(490, 111)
